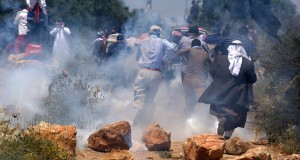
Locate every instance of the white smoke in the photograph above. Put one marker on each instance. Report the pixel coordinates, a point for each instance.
(173, 15)
(22, 91)
(297, 3)
(26, 87)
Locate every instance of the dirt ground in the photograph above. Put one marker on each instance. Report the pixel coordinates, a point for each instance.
(176, 153)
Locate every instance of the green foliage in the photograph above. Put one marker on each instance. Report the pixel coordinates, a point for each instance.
(83, 17)
(278, 95)
(30, 148)
(217, 13)
(284, 9)
(14, 144)
(289, 142)
(164, 154)
(90, 14)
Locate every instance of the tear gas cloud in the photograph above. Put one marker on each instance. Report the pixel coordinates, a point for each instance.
(297, 3)
(163, 9)
(27, 87)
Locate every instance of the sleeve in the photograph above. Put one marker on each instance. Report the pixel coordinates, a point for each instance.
(54, 31)
(17, 19)
(208, 60)
(182, 52)
(170, 56)
(251, 75)
(249, 46)
(43, 3)
(67, 31)
(170, 51)
(205, 47)
(182, 42)
(95, 47)
(168, 45)
(138, 53)
(28, 2)
(111, 50)
(213, 67)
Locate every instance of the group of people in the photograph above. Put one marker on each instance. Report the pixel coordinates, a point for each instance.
(108, 45)
(230, 66)
(26, 27)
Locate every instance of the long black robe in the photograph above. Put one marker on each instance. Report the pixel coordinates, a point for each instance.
(228, 92)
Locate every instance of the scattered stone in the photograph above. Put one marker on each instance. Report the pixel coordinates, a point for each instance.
(63, 136)
(119, 155)
(156, 138)
(236, 146)
(258, 153)
(116, 136)
(295, 156)
(204, 147)
(263, 141)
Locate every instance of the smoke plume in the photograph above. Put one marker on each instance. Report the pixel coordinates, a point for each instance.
(89, 95)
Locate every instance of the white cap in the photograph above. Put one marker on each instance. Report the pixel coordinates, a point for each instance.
(155, 27)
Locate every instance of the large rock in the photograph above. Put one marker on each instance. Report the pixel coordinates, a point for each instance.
(204, 147)
(236, 146)
(156, 138)
(63, 136)
(116, 136)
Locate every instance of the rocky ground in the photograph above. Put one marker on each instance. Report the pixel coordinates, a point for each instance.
(176, 153)
(156, 137)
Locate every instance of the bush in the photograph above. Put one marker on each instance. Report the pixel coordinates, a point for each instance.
(289, 141)
(69, 97)
(278, 96)
(14, 144)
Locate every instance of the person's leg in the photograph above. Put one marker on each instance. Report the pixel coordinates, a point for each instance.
(139, 88)
(139, 97)
(20, 44)
(182, 74)
(220, 129)
(190, 98)
(231, 122)
(154, 79)
(216, 111)
(145, 89)
(235, 117)
(228, 134)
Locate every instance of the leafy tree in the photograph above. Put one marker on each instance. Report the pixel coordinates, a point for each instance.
(216, 13)
(278, 95)
(90, 14)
